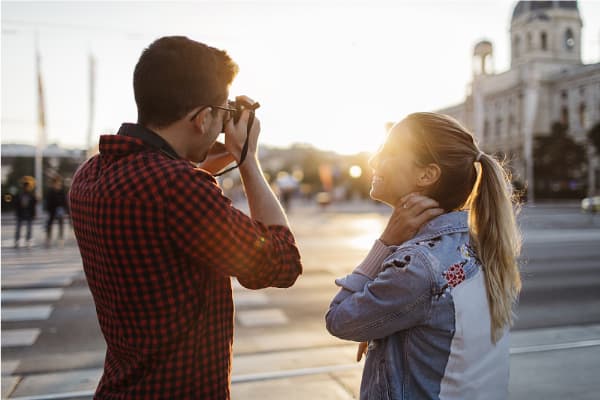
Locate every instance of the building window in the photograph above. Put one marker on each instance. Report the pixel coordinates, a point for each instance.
(516, 45)
(569, 39)
(511, 124)
(564, 116)
(563, 94)
(486, 129)
(582, 116)
(544, 41)
(529, 41)
(498, 127)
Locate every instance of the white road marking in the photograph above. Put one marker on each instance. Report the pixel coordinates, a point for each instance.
(269, 316)
(32, 295)
(249, 298)
(30, 313)
(19, 337)
(555, 346)
(8, 367)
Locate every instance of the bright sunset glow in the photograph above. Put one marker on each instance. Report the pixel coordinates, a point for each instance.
(328, 73)
(372, 228)
(355, 171)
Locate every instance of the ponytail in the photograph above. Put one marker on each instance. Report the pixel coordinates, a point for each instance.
(497, 239)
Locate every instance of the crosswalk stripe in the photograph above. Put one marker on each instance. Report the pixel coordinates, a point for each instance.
(249, 298)
(30, 313)
(32, 295)
(270, 316)
(19, 337)
(36, 281)
(8, 367)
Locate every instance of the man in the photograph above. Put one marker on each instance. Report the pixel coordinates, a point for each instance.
(158, 239)
(56, 206)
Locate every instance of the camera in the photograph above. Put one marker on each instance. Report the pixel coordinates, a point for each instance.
(238, 106)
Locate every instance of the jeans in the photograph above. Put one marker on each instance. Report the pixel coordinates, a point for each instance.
(28, 222)
(51, 217)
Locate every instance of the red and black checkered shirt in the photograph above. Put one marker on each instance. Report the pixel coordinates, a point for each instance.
(159, 243)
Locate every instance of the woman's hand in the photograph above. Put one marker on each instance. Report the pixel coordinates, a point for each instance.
(411, 212)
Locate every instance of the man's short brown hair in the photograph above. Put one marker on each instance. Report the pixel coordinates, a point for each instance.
(175, 75)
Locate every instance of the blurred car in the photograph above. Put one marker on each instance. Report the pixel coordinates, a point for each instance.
(591, 204)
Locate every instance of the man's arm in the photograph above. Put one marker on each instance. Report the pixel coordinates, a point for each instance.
(264, 205)
(205, 226)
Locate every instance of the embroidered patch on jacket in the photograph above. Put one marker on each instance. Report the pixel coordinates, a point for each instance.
(455, 275)
(467, 251)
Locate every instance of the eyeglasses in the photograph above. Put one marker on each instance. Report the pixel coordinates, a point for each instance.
(230, 112)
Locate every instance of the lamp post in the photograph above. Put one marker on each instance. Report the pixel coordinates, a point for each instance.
(41, 125)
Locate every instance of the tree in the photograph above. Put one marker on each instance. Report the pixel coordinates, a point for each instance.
(560, 164)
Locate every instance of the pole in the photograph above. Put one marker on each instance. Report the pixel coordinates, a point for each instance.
(41, 123)
(91, 105)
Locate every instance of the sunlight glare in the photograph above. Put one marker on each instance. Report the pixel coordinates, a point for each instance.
(370, 229)
(355, 171)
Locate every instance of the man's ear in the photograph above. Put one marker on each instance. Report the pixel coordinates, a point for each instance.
(429, 175)
(203, 120)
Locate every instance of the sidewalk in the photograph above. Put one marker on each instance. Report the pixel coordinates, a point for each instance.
(549, 364)
(545, 364)
(555, 363)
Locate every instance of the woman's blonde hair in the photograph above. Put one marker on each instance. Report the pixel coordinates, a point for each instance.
(476, 181)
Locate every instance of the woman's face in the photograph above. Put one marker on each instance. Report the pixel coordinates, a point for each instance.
(395, 172)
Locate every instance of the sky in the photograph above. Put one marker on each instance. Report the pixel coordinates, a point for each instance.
(327, 73)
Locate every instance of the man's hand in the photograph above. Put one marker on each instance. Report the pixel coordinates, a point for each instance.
(235, 134)
(411, 212)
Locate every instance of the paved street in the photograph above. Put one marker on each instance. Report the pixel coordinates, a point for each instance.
(51, 341)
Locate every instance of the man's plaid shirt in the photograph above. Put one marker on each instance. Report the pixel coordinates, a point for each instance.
(159, 243)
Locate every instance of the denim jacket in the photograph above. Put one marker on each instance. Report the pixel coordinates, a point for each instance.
(426, 318)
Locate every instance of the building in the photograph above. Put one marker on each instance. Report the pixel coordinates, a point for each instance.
(546, 83)
(18, 160)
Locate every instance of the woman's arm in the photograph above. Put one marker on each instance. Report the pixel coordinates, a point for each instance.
(398, 298)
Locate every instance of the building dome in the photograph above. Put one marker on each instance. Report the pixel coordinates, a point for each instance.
(546, 31)
(524, 7)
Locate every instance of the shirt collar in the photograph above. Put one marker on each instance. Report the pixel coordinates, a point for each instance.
(455, 221)
(133, 138)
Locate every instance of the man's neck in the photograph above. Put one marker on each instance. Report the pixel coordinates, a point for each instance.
(175, 137)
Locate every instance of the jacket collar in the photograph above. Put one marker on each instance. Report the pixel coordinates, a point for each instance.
(455, 221)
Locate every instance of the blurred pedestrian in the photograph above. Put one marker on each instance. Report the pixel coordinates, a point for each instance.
(432, 304)
(287, 186)
(25, 208)
(159, 240)
(56, 207)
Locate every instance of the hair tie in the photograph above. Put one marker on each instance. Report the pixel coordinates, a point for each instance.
(478, 157)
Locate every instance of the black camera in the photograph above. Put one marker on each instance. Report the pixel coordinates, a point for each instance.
(238, 106)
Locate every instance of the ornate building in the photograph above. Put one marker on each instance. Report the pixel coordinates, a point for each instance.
(546, 83)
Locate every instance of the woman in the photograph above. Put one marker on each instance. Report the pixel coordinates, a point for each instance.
(435, 308)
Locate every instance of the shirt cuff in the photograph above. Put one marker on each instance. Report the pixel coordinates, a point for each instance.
(372, 263)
